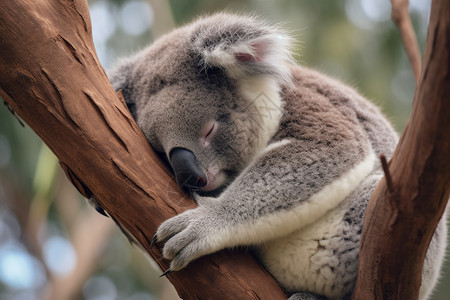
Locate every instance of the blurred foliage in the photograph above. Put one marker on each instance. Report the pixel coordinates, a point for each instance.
(353, 40)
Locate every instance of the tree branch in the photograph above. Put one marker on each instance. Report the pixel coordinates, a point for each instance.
(51, 77)
(399, 224)
(401, 18)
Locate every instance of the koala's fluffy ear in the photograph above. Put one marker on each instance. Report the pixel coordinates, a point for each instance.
(121, 80)
(242, 46)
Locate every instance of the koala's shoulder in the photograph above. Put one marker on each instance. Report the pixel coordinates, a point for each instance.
(316, 103)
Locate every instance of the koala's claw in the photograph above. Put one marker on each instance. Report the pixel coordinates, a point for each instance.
(154, 240)
(167, 272)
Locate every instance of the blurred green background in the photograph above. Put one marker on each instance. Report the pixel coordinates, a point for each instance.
(53, 246)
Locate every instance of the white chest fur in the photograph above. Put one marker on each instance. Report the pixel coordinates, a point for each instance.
(265, 103)
(301, 261)
(304, 260)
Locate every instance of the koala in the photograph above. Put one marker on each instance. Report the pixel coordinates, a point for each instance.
(279, 157)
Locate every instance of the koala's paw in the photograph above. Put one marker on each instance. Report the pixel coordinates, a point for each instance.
(188, 236)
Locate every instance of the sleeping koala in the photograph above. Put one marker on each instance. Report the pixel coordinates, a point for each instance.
(278, 157)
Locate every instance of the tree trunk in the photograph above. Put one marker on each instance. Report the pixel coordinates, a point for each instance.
(51, 77)
(408, 203)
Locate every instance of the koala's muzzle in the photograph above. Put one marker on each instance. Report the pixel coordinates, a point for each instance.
(188, 172)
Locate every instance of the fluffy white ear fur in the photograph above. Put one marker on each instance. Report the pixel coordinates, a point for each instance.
(242, 49)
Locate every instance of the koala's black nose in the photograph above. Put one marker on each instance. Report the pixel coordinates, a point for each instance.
(187, 171)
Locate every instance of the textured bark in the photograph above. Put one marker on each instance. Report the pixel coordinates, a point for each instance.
(407, 205)
(51, 77)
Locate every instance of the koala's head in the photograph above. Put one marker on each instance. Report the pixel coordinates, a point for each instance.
(196, 94)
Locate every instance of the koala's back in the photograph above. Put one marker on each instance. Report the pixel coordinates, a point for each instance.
(326, 118)
(313, 89)
(322, 257)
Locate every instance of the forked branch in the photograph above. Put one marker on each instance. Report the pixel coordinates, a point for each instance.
(400, 221)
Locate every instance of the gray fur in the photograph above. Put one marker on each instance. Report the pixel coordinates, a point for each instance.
(295, 176)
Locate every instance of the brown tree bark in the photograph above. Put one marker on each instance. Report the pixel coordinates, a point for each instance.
(51, 77)
(408, 203)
